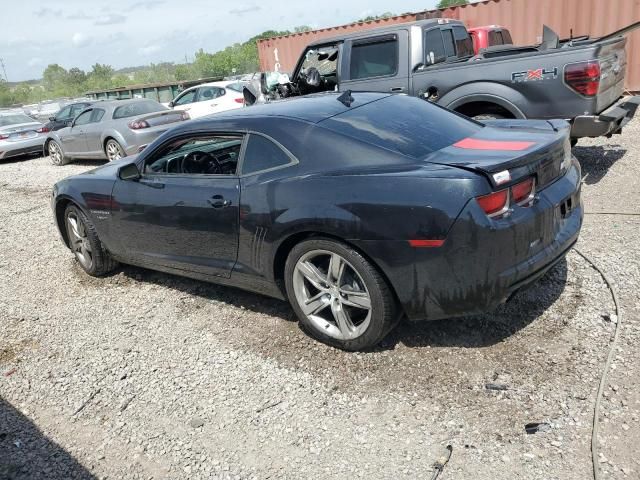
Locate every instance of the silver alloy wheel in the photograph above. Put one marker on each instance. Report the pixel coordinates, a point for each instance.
(114, 151)
(79, 241)
(55, 153)
(332, 294)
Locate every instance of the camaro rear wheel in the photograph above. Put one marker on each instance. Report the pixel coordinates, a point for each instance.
(85, 244)
(339, 297)
(114, 151)
(56, 155)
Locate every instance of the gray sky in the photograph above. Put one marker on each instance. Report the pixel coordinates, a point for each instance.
(79, 33)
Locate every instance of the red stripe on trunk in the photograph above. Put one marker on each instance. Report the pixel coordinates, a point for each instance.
(477, 144)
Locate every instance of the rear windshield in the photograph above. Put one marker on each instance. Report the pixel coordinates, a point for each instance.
(407, 125)
(138, 108)
(6, 120)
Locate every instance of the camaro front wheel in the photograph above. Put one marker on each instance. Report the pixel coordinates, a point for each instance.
(339, 297)
(85, 244)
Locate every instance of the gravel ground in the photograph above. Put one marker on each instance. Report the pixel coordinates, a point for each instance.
(146, 375)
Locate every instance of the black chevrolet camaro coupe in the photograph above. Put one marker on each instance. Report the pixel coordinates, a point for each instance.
(359, 208)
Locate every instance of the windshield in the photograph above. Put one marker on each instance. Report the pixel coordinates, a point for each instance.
(6, 120)
(138, 108)
(325, 59)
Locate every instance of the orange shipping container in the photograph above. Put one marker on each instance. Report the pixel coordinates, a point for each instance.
(524, 18)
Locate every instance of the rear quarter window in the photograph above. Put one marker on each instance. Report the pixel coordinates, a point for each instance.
(406, 125)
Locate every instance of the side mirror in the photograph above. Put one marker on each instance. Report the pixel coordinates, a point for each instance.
(129, 172)
(171, 104)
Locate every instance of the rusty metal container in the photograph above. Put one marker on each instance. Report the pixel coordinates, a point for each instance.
(524, 18)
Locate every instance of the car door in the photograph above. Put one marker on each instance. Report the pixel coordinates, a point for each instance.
(377, 63)
(183, 213)
(93, 133)
(185, 100)
(73, 140)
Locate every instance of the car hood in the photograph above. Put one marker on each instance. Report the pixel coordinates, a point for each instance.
(108, 170)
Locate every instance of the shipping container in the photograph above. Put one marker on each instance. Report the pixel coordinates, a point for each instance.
(524, 18)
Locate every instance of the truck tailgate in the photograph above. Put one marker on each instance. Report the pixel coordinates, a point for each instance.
(613, 65)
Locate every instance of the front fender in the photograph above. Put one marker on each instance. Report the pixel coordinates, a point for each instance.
(506, 97)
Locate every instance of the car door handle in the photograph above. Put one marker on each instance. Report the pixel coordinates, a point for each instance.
(218, 201)
(397, 89)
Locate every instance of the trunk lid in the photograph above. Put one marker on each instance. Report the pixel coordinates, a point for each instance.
(163, 117)
(22, 131)
(521, 148)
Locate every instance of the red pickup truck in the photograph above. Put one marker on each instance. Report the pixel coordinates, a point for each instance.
(489, 36)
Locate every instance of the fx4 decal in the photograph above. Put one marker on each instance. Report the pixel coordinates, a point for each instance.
(534, 75)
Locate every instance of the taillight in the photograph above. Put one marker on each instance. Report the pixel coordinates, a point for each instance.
(522, 193)
(3, 137)
(43, 130)
(495, 203)
(498, 203)
(138, 125)
(239, 100)
(583, 77)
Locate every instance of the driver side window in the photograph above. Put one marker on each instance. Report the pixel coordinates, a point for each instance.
(188, 97)
(84, 118)
(199, 155)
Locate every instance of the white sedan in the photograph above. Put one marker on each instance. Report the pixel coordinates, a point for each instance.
(209, 98)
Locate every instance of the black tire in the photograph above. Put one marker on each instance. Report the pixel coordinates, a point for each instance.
(94, 260)
(56, 154)
(113, 150)
(488, 116)
(383, 312)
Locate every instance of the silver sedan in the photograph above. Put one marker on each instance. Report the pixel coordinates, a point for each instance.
(111, 130)
(20, 135)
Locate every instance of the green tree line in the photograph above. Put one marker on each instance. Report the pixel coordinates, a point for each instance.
(59, 82)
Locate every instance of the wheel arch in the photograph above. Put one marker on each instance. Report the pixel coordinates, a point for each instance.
(500, 96)
(284, 249)
(60, 208)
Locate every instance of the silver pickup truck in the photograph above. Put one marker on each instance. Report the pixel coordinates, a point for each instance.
(580, 80)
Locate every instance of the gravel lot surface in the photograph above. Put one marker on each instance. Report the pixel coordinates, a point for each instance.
(146, 375)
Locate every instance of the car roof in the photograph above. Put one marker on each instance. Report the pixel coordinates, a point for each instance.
(310, 108)
(386, 29)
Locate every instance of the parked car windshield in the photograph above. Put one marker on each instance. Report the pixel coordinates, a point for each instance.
(407, 125)
(137, 108)
(15, 119)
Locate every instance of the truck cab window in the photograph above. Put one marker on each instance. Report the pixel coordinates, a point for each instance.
(449, 44)
(324, 61)
(433, 44)
(375, 58)
(464, 44)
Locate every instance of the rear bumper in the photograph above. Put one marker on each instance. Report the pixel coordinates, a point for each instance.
(608, 122)
(22, 147)
(484, 262)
